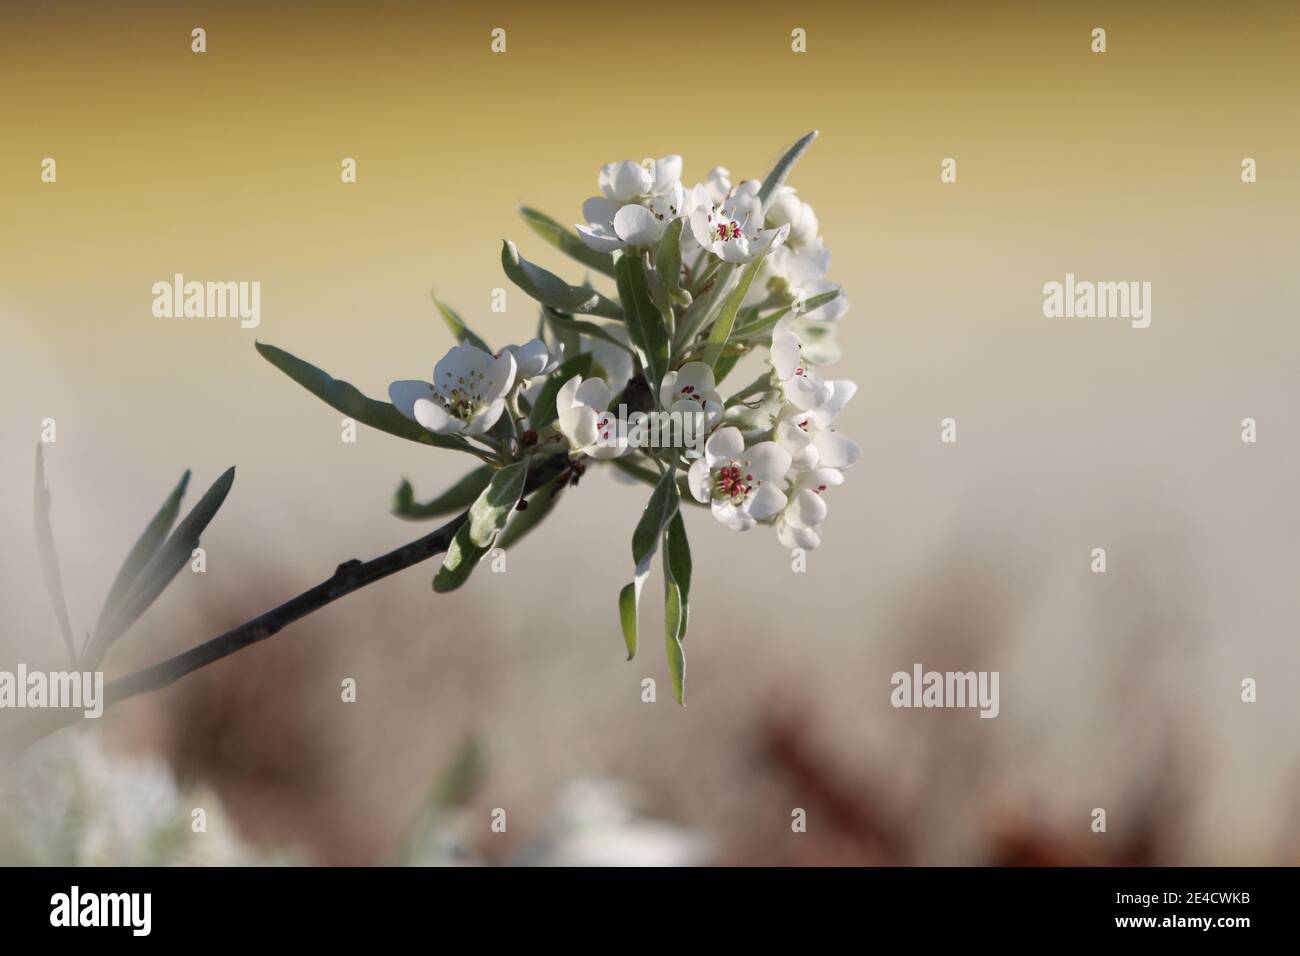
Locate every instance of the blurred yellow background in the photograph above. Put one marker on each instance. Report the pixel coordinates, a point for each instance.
(1073, 434)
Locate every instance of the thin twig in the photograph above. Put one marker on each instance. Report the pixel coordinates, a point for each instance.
(348, 577)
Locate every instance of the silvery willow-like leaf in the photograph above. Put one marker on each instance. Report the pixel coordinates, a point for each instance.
(646, 325)
(759, 326)
(568, 243)
(144, 549)
(461, 331)
(668, 262)
(677, 588)
(776, 178)
(721, 331)
(160, 569)
(549, 289)
(350, 401)
(456, 498)
(487, 516)
(48, 557)
(645, 541)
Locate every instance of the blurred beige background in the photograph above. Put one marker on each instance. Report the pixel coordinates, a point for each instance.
(1119, 691)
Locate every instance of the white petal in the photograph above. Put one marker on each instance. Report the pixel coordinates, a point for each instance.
(578, 425)
(625, 180)
(792, 537)
(594, 393)
(803, 453)
(698, 479)
(785, 208)
(486, 417)
(732, 517)
(785, 353)
(733, 250)
(667, 173)
(724, 445)
(406, 393)
(601, 239)
(431, 415)
(836, 451)
(842, 390)
(531, 358)
(600, 212)
(499, 376)
(766, 501)
(805, 391)
(701, 227)
(807, 509)
(718, 183)
(821, 479)
(564, 398)
(637, 226)
(768, 460)
(698, 376)
(666, 389)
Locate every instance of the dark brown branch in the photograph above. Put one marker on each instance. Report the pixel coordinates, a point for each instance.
(348, 577)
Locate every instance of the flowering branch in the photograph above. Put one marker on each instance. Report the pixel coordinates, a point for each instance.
(703, 278)
(348, 577)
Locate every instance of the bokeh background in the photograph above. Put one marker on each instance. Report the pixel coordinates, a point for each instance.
(1119, 691)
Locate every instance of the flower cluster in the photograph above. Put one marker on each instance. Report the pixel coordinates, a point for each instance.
(772, 452)
(697, 281)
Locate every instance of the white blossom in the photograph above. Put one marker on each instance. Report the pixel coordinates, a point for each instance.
(467, 394)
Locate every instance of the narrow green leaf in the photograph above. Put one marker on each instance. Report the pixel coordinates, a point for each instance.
(462, 557)
(647, 327)
(541, 504)
(477, 536)
(645, 540)
(721, 330)
(49, 558)
(668, 261)
(776, 178)
(159, 571)
(627, 602)
(567, 242)
(701, 311)
(456, 498)
(490, 511)
(677, 552)
(145, 548)
(764, 324)
(351, 402)
(677, 586)
(461, 331)
(658, 512)
(549, 289)
(673, 616)
(544, 411)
